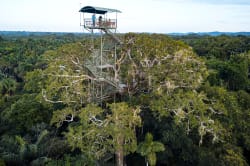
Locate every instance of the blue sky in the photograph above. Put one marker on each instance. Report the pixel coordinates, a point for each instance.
(159, 16)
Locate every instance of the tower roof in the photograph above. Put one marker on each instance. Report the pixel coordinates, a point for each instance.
(98, 10)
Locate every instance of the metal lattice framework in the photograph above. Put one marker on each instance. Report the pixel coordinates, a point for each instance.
(102, 64)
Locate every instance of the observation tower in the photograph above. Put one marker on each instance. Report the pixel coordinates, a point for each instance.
(102, 66)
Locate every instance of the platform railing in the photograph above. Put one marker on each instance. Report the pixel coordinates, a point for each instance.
(99, 24)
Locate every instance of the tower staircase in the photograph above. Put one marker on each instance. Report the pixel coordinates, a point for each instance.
(101, 67)
(112, 35)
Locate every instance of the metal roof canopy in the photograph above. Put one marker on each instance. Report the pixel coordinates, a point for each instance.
(98, 10)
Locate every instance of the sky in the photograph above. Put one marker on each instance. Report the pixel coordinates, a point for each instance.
(154, 16)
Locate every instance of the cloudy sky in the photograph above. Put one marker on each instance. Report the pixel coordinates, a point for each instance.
(158, 16)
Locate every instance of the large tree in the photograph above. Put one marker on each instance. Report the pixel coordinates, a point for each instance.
(153, 73)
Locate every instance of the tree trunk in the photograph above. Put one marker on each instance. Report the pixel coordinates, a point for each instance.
(119, 158)
(146, 161)
(119, 152)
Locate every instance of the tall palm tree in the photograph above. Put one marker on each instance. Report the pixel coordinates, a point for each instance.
(149, 148)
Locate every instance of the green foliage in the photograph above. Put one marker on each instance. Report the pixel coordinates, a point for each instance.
(181, 146)
(160, 64)
(234, 72)
(189, 107)
(8, 86)
(89, 135)
(22, 152)
(97, 135)
(68, 160)
(64, 80)
(148, 148)
(121, 124)
(26, 112)
(232, 158)
(220, 47)
(48, 116)
(34, 81)
(59, 116)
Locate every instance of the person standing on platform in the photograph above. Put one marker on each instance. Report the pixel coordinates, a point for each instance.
(93, 19)
(100, 20)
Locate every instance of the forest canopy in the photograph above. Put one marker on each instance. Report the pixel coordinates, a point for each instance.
(154, 100)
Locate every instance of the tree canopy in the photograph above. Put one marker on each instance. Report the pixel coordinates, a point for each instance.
(154, 99)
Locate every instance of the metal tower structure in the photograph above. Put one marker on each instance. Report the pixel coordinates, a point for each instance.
(102, 64)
